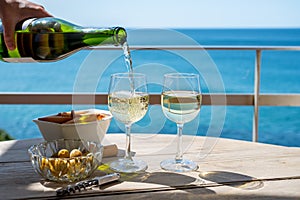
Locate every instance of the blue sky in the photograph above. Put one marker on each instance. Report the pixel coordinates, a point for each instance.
(174, 14)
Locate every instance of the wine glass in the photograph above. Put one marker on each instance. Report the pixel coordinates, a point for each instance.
(128, 102)
(180, 101)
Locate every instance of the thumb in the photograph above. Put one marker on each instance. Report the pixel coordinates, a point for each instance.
(9, 36)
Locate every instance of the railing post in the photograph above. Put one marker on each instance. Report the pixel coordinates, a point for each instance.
(256, 96)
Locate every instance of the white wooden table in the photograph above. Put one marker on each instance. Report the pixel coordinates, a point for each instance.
(230, 169)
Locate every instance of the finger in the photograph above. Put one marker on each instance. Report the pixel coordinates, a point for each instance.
(41, 12)
(36, 14)
(9, 35)
(38, 11)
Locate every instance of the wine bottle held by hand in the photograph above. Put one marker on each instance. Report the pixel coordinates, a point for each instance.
(51, 39)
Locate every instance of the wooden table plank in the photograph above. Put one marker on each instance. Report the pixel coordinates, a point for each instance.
(231, 169)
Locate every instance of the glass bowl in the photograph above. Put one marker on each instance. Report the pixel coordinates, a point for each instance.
(66, 160)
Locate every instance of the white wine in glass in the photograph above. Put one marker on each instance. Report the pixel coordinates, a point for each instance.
(128, 102)
(181, 102)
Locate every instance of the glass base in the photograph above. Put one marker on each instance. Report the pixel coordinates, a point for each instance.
(128, 166)
(183, 165)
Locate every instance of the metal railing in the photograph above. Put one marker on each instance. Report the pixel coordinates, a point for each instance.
(256, 99)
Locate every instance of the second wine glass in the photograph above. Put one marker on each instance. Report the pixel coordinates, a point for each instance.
(128, 102)
(180, 101)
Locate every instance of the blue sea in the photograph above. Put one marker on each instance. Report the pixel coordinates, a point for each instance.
(221, 71)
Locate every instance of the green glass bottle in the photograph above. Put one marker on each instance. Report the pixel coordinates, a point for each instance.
(51, 39)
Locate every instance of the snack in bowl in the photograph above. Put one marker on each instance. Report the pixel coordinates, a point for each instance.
(89, 125)
(66, 160)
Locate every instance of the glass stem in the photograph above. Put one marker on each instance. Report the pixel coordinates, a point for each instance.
(179, 153)
(128, 142)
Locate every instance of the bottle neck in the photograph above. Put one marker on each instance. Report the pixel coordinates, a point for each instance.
(109, 36)
(121, 35)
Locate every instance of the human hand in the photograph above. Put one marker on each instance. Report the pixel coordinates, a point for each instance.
(14, 11)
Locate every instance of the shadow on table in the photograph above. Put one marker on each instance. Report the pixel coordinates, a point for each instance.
(173, 181)
(232, 179)
(161, 178)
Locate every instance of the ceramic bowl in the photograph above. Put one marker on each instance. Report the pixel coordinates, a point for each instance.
(53, 127)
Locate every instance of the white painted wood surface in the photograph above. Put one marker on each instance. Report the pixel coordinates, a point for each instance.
(228, 169)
